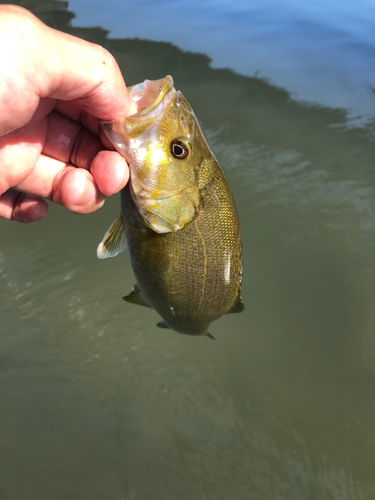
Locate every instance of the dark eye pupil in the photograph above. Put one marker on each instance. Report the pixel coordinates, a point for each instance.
(178, 151)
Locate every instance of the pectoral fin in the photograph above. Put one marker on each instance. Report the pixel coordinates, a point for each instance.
(114, 240)
(136, 297)
(237, 306)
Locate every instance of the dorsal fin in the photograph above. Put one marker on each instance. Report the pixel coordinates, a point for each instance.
(237, 306)
(114, 240)
(136, 297)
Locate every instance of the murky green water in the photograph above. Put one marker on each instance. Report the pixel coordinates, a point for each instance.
(98, 403)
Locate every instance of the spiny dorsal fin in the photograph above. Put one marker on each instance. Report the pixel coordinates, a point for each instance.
(163, 324)
(114, 240)
(136, 297)
(237, 306)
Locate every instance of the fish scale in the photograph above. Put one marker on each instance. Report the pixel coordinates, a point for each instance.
(191, 275)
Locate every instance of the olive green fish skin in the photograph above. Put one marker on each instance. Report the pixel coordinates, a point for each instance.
(191, 276)
(177, 212)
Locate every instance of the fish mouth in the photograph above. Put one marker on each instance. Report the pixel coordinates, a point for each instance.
(149, 94)
(151, 99)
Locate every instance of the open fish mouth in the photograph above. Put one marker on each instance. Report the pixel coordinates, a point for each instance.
(151, 98)
(149, 94)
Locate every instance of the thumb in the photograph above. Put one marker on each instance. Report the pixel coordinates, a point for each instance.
(44, 62)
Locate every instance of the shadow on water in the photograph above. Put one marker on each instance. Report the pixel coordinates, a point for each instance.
(103, 405)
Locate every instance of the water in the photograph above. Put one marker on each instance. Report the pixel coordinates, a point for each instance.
(96, 402)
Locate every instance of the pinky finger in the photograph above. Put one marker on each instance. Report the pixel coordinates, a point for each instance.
(22, 207)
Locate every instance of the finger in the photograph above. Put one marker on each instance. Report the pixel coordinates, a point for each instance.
(22, 207)
(62, 183)
(62, 67)
(75, 188)
(78, 192)
(82, 71)
(68, 141)
(72, 187)
(69, 109)
(96, 82)
(110, 171)
(19, 152)
(76, 113)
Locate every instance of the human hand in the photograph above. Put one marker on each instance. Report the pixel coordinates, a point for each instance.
(53, 88)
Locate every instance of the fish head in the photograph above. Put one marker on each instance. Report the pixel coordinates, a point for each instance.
(164, 147)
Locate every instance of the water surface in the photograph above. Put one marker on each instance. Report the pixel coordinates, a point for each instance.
(96, 402)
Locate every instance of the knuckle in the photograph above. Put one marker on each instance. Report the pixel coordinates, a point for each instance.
(85, 148)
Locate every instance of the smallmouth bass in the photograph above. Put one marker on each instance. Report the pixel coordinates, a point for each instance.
(178, 217)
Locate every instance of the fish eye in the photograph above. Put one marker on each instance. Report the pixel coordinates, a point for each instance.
(179, 149)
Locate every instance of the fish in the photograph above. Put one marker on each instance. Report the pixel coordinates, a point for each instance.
(178, 217)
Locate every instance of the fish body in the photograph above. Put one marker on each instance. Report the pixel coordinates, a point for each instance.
(178, 215)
